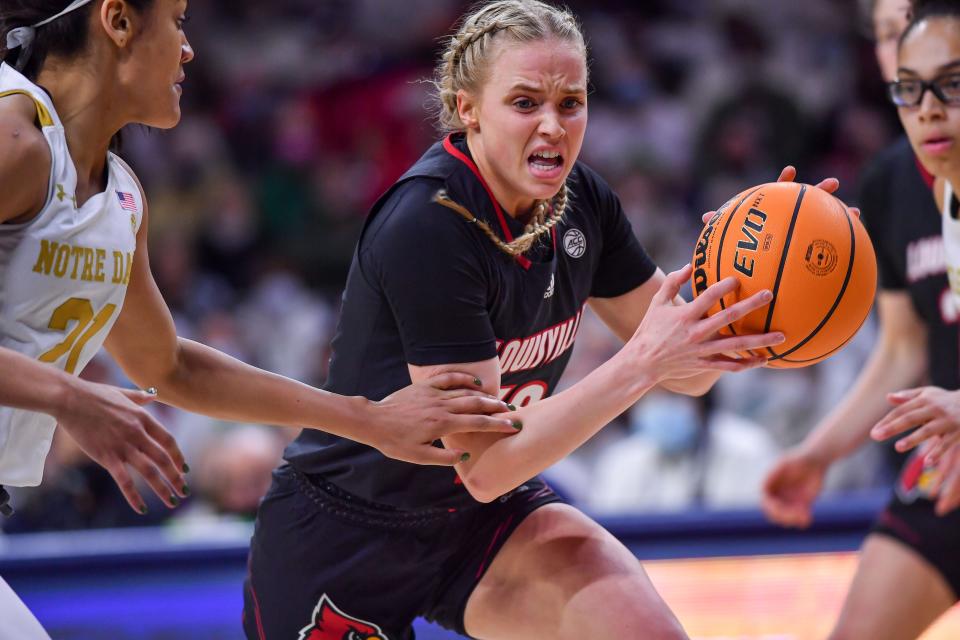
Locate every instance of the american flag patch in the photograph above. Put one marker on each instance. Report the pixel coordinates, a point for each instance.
(127, 203)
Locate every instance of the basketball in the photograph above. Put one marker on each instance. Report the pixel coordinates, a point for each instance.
(805, 246)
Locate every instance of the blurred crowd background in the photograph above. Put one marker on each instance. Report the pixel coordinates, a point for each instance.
(299, 113)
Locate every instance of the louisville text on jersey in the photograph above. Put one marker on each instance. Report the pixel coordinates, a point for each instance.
(522, 354)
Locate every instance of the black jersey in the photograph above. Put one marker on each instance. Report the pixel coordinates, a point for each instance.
(426, 287)
(901, 216)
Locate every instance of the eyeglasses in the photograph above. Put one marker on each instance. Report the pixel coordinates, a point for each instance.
(909, 93)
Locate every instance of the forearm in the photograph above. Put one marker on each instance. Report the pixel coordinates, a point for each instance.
(552, 429)
(32, 385)
(848, 426)
(204, 380)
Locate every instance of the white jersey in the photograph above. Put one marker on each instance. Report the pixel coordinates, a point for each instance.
(951, 238)
(63, 277)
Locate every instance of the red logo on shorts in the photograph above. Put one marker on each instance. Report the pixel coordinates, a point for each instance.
(918, 479)
(329, 623)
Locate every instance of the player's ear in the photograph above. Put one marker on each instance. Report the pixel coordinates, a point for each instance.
(115, 18)
(467, 109)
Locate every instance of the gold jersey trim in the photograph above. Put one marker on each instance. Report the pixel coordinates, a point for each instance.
(43, 114)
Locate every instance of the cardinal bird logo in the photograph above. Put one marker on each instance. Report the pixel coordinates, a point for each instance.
(330, 623)
(918, 479)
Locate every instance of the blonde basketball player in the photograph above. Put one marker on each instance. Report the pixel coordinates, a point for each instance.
(74, 274)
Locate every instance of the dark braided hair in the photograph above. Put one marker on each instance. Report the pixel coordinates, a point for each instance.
(67, 36)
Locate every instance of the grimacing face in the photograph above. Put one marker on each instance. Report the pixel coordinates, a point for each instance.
(931, 51)
(526, 127)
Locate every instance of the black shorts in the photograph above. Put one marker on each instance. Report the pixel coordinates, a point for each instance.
(324, 563)
(909, 518)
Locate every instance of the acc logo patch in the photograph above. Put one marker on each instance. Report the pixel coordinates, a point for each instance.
(574, 243)
(329, 623)
(918, 478)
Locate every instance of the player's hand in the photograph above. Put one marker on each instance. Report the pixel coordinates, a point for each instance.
(791, 487)
(679, 341)
(111, 426)
(407, 423)
(934, 411)
(948, 467)
(789, 174)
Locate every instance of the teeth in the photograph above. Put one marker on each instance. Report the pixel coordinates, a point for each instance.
(547, 154)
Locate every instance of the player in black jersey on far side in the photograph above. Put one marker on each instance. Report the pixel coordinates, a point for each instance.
(482, 258)
(909, 569)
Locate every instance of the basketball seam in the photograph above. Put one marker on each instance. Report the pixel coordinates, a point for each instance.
(723, 235)
(843, 288)
(783, 262)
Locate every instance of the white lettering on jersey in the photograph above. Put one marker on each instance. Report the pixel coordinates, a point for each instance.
(925, 258)
(522, 354)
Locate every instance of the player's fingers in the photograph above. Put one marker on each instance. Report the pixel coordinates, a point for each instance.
(929, 430)
(431, 455)
(476, 404)
(731, 365)
(454, 379)
(734, 312)
(949, 496)
(738, 344)
(171, 450)
(670, 288)
(829, 185)
(473, 423)
(149, 472)
(899, 420)
(141, 397)
(900, 397)
(170, 471)
(787, 174)
(452, 394)
(706, 300)
(706, 217)
(127, 487)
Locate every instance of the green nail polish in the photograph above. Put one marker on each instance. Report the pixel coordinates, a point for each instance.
(517, 425)
(511, 407)
(478, 382)
(186, 490)
(186, 468)
(174, 500)
(464, 457)
(143, 509)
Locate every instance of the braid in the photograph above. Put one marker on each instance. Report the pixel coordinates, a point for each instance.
(462, 42)
(539, 225)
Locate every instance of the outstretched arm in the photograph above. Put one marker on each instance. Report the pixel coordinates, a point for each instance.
(198, 378)
(672, 342)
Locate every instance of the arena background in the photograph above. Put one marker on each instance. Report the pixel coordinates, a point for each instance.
(298, 113)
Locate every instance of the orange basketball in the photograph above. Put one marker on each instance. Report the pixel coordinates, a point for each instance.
(805, 246)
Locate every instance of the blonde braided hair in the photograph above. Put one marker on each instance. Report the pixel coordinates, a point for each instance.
(466, 55)
(546, 215)
(464, 65)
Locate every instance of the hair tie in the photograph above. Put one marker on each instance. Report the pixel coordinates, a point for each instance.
(23, 36)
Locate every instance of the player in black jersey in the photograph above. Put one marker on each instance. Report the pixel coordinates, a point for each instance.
(482, 257)
(909, 570)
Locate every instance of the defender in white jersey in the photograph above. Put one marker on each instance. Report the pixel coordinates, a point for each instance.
(74, 274)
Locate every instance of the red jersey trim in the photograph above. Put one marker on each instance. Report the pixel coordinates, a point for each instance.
(927, 176)
(459, 155)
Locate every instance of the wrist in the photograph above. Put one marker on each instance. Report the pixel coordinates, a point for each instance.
(65, 394)
(817, 452)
